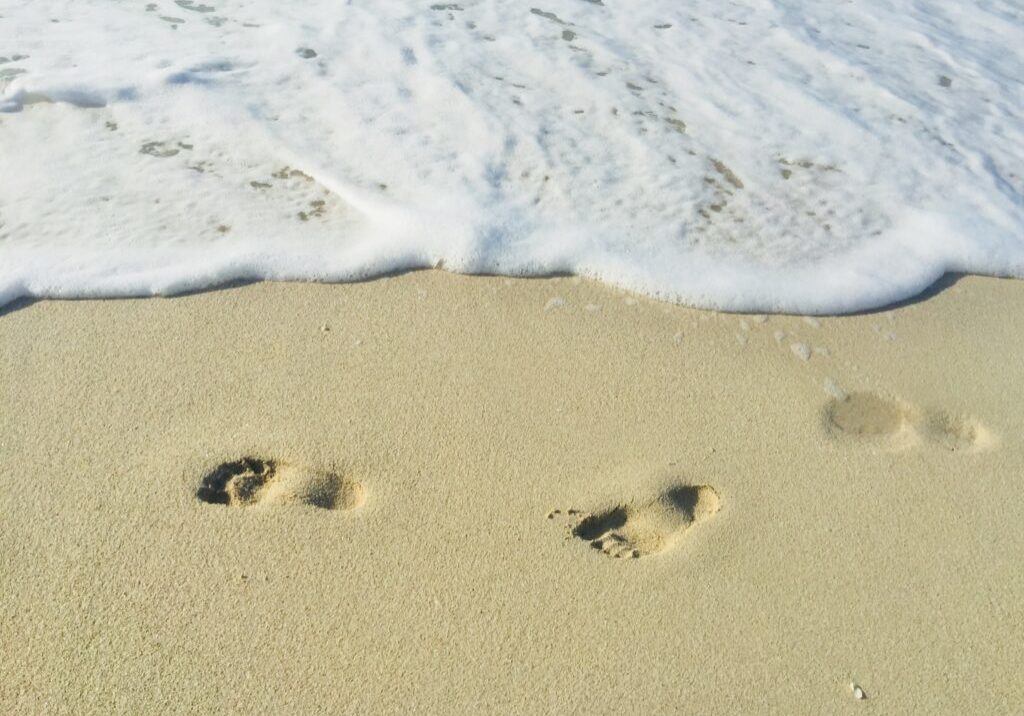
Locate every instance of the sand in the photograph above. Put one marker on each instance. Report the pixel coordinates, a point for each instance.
(446, 494)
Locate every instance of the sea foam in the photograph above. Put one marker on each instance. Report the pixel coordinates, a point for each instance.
(759, 155)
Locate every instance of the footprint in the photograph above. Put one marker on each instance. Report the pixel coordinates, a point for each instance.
(637, 530)
(252, 481)
(871, 417)
(955, 432)
(866, 415)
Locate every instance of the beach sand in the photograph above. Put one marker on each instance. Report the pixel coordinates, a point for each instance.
(451, 494)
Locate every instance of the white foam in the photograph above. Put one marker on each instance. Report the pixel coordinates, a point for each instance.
(752, 156)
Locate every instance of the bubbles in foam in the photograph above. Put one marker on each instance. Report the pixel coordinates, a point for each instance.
(750, 156)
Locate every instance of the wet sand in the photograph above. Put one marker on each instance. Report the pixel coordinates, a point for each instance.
(447, 494)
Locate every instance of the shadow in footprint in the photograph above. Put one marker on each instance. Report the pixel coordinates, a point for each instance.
(639, 530)
(254, 481)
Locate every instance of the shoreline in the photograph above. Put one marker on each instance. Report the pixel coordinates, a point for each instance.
(947, 280)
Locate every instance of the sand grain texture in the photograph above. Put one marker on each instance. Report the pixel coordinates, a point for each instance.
(848, 515)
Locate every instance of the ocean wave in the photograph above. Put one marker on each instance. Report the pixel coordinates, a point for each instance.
(757, 156)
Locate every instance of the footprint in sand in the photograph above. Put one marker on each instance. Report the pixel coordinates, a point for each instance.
(253, 481)
(875, 418)
(635, 530)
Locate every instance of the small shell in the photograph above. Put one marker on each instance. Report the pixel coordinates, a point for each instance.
(858, 692)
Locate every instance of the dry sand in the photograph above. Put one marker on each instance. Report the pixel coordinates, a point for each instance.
(449, 494)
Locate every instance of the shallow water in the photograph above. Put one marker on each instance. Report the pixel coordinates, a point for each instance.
(760, 156)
